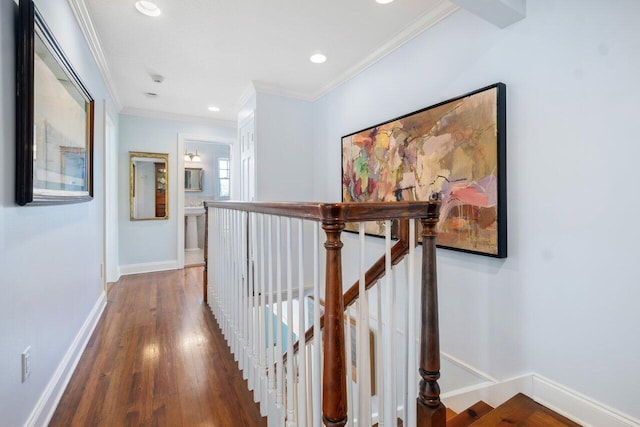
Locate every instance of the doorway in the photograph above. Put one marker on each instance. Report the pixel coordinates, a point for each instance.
(204, 168)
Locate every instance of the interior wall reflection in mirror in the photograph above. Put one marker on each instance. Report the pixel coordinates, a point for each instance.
(148, 186)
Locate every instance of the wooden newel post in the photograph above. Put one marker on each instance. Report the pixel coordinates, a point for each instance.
(334, 384)
(431, 411)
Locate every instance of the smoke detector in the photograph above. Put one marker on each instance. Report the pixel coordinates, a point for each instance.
(157, 78)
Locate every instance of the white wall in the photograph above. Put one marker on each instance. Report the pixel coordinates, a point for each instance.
(564, 303)
(143, 242)
(284, 160)
(50, 256)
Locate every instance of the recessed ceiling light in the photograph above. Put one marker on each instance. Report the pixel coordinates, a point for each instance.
(384, 1)
(148, 8)
(318, 58)
(214, 108)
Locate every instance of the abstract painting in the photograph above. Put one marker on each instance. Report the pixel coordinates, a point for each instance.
(456, 148)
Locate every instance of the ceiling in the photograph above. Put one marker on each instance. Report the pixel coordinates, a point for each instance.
(210, 52)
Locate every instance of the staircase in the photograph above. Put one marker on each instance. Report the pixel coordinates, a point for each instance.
(314, 354)
(520, 410)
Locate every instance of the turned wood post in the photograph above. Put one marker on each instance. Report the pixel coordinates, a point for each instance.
(431, 411)
(205, 274)
(334, 384)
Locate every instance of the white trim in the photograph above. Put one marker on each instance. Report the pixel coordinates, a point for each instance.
(110, 174)
(423, 23)
(163, 115)
(46, 406)
(468, 368)
(426, 21)
(272, 89)
(493, 394)
(566, 402)
(182, 139)
(249, 91)
(148, 267)
(83, 17)
(576, 406)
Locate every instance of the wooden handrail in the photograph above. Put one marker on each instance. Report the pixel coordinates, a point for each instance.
(344, 212)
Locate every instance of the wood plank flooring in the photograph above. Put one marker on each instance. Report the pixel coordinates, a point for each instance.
(522, 411)
(157, 358)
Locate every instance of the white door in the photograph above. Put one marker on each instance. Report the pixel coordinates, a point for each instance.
(247, 160)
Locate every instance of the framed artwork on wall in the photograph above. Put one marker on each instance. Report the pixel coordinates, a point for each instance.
(54, 119)
(456, 148)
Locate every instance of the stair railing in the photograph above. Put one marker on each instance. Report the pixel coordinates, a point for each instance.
(254, 252)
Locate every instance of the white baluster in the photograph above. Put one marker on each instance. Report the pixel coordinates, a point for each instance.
(380, 356)
(228, 278)
(262, 328)
(302, 350)
(317, 333)
(270, 315)
(246, 300)
(389, 311)
(279, 367)
(253, 321)
(412, 297)
(363, 349)
(238, 288)
(309, 390)
(349, 365)
(291, 413)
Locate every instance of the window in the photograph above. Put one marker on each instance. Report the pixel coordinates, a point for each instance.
(223, 178)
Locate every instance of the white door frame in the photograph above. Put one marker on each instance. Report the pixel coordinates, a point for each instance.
(110, 262)
(182, 139)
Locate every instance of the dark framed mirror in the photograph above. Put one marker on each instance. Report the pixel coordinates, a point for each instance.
(54, 119)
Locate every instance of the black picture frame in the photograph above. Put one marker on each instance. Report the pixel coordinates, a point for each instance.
(64, 171)
(359, 147)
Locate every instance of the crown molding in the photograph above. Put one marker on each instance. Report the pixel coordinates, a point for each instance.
(272, 89)
(424, 22)
(163, 115)
(249, 91)
(83, 17)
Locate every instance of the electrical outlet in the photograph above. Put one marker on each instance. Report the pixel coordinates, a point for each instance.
(26, 363)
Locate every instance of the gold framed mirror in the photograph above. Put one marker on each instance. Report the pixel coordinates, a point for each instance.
(148, 186)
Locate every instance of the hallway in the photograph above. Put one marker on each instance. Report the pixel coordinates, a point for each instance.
(157, 358)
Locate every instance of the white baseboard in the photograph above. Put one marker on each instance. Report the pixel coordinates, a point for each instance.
(148, 267)
(579, 408)
(493, 393)
(46, 406)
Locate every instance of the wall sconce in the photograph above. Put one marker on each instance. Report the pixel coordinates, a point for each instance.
(190, 157)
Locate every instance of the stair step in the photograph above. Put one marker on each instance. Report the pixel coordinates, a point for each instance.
(522, 411)
(471, 414)
(400, 423)
(450, 413)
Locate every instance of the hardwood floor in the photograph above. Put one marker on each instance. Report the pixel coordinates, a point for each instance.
(157, 358)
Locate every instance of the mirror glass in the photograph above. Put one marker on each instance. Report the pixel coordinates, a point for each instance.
(193, 179)
(148, 186)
